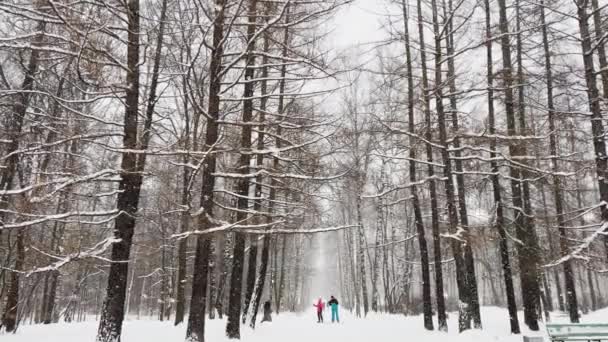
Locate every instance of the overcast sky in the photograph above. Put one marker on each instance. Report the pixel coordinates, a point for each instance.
(357, 23)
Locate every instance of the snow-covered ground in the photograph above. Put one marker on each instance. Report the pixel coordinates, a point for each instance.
(296, 328)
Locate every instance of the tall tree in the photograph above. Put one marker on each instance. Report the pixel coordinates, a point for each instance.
(442, 324)
(272, 196)
(557, 188)
(418, 222)
(132, 166)
(198, 301)
(7, 175)
(499, 221)
(527, 253)
(597, 125)
(462, 278)
(236, 284)
(469, 261)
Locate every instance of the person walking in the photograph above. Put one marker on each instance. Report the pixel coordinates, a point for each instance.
(333, 304)
(320, 305)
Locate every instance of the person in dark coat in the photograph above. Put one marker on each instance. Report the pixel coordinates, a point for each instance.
(333, 304)
(267, 312)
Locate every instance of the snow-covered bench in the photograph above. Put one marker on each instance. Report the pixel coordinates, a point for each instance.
(577, 332)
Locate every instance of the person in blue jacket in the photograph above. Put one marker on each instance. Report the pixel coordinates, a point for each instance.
(333, 303)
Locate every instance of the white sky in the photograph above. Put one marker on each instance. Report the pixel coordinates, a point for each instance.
(358, 23)
(351, 31)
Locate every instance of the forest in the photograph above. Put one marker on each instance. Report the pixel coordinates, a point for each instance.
(187, 161)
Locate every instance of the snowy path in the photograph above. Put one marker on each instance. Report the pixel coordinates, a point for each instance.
(291, 328)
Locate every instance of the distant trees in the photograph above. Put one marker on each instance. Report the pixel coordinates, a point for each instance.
(179, 99)
(484, 148)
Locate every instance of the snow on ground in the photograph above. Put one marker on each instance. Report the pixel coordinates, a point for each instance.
(296, 328)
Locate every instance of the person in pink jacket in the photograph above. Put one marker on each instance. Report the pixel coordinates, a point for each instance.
(320, 305)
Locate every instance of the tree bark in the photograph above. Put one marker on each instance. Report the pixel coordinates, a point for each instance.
(184, 223)
(439, 296)
(236, 284)
(195, 331)
(262, 272)
(350, 244)
(360, 248)
(180, 300)
(420, 231)
(601, 50)
(557, 191)
(110, 325)
(281, 285)
(474, 307)
(7, 175)
(464, 295)
(499, 220)
(9, 318)
(252, 263)
(375, 264)
(597, 126)
(528, 260)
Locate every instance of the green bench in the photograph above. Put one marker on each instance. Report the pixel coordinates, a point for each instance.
(577, 332)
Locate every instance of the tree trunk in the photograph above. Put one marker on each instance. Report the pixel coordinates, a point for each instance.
(601, 51)
(184, 223)
(597, 126)
(164, 285)
(420, 231)
(557, 192)
(260, 281)
(180, 300)
(548, 303)
(474, 308)
(15, 124)
(236, 284)
(274, 183)
(281, 286)
(360, 249)
(529, 234)
(195, 331)
(52, 278)
(439, 296)
(262, 271)
(9, 318)
(132, 166)
(350, 244)
(554, 272)
(222, 274)
(464, 296)
(110, 325)
(527, 253)
(500, 220)
(552, 248)
(388, 296)
(591, 288)
(253, 259)
(51, 294)
(376, 260)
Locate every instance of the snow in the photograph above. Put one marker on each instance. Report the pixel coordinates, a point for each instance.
(299, 328)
